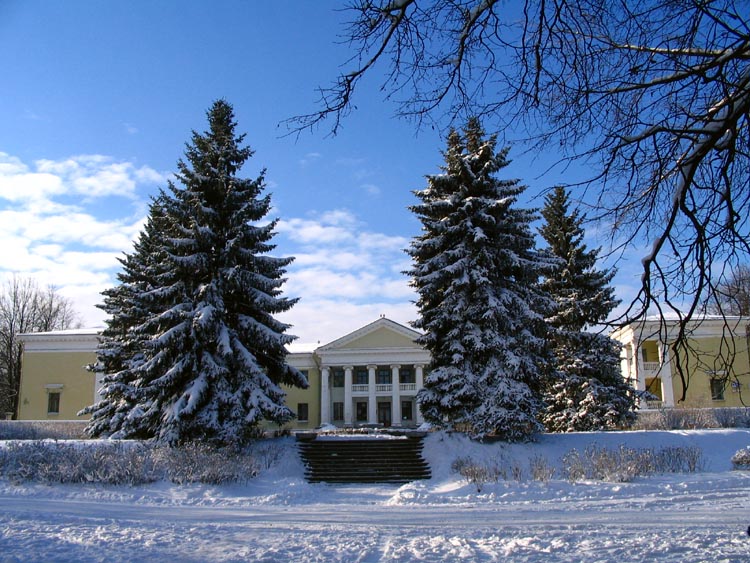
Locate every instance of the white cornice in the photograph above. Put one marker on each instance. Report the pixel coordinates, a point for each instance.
(78, 340)
(665, 330)
(406, 356)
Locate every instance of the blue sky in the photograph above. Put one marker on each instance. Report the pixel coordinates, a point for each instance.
(99, 98)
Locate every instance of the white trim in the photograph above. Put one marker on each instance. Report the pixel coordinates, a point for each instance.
(83, 340)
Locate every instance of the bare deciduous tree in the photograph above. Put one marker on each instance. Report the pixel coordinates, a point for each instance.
(25, 307)
(733, 293)
(652, 96)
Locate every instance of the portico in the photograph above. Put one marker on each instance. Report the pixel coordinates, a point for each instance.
(371, 376)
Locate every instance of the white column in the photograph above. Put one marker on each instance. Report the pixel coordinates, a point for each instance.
(372, 401)
(395, 396)
(665, 374)
(348, 419)
(419, 379)
(626, 364)
(640, 370)
(325, 396)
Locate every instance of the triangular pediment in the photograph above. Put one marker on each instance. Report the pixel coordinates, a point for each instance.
(383, 333)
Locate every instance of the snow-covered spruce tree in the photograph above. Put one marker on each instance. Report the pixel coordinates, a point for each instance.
(121, 344)
(587, 391)
(193, 351)
(476, 271)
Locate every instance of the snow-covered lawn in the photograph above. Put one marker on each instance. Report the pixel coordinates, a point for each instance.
(279, 517)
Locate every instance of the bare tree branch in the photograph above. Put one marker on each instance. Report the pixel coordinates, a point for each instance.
(652, 96)
(25, 307)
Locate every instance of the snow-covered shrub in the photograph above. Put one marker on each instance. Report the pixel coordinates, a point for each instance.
(266, 454)
(476, 473)
(129, 463)
(540, 469)
(41, 429)
(741, 459)
(200, 463)
(676, 419)
(621, 465)
(689, 419)
(573, 466)
(63, 462)
(479, 473)
(625, 464)
(678, 459)
(733, 417)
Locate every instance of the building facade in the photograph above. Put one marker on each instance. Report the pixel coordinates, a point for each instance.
(369, 377)
(715, 364)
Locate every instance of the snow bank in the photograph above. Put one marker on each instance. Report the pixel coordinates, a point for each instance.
(675, 518)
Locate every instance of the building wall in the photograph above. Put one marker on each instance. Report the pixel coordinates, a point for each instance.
(55, 361)
(63, 371)
(704, 362)
(309, 396)
(644, 363)
(43, 372)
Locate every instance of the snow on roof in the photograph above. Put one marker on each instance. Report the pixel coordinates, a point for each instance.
(67, 332)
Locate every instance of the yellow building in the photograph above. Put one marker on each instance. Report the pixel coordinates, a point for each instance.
(55, 384)
(368, 377)
(715, 364)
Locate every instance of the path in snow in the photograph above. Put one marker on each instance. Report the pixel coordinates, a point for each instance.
(671, 528)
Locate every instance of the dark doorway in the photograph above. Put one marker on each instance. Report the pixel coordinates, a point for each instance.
(384, 414)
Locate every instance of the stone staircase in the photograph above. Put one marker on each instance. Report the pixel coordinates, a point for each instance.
(363, 458)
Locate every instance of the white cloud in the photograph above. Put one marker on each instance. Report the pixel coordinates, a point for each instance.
(100, 176)
(65, 222)
(311, 232)
(309, 158)
(371, 189)
(53, 226)
(345, 276)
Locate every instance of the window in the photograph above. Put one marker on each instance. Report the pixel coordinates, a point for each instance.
(53, 402)
(406, 375)
(302, 412)
(361, 411)
(338, 378)
(384, 376)
(406, 410)
(338, 411)
(361, 377)
(717, 389)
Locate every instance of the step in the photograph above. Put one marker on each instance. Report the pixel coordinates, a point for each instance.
(363, 460)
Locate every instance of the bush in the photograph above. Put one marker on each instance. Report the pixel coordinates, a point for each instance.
(131, 463)
(689, 419)
(200, 463)
(42, 429)
(741, 459)
(540, 469)
(475, 473)
(625, 464)
(679, 460)
(60, 462)
(733, 417)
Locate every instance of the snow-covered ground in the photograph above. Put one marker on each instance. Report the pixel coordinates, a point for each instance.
(280, 517)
